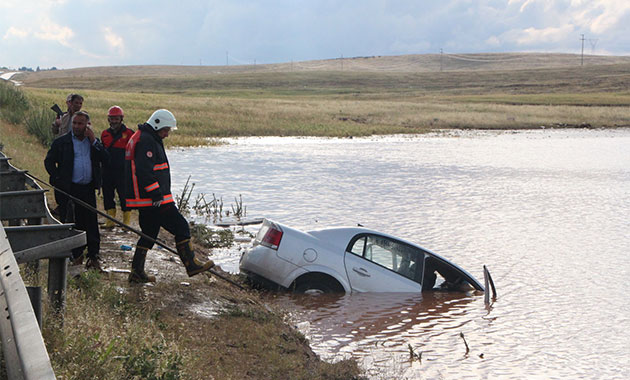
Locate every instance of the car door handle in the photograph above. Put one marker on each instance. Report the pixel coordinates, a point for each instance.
(361, 271)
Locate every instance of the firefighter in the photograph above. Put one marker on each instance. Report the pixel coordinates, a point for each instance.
(148, 189)
(115, 139)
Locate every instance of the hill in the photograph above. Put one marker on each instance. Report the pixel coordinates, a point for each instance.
(461, 74)
(403, 63)
(356, 96)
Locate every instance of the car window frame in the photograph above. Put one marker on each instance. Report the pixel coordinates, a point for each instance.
(419, 276)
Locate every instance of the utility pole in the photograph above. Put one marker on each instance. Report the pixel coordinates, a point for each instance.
(441, 51)
(227, 63)
(582, 64)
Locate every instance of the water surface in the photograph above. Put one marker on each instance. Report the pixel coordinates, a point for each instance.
(547, 211)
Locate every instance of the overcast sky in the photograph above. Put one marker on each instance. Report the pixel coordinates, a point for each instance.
(69, 33)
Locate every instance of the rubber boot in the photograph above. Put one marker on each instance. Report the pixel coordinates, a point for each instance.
(192, 264)
(138, 275)
(126, 217)
(111, 212)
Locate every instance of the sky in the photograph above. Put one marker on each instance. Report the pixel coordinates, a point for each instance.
(69, 33)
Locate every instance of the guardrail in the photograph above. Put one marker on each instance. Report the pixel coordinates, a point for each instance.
(27, 240)
(24, 351)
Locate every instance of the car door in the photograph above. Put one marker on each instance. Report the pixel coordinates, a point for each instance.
(380, 264)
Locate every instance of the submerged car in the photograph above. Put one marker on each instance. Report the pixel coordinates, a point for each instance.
(347, 259)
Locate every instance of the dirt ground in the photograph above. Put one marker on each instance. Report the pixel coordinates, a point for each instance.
(166, 267)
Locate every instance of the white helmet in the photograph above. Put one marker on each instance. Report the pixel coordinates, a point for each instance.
(162, 119)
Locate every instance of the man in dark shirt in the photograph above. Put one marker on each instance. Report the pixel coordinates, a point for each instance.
(74, 164)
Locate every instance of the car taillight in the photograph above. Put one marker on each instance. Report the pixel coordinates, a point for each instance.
(272, 236)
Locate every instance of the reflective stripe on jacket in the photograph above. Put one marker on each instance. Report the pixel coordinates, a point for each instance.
(147, 173)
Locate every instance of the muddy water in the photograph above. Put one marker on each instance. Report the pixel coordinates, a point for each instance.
(547, 211)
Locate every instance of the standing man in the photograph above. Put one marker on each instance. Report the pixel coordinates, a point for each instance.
(63, 124)
(74, 164)
(148, 189)
(115, 139)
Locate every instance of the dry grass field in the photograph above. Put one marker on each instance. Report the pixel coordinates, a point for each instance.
(356, 96)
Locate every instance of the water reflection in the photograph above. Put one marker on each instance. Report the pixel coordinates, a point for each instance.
(382, 326)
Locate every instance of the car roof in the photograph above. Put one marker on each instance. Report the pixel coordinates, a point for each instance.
(344, 234)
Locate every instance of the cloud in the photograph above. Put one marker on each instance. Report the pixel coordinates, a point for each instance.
(115, 41)
(603, 15)
(533, 36)
(52, 32)
(493, 41)
(15, 32)
(115, 32)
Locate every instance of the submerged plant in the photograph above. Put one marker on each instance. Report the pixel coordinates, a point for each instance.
(211, 238)
(184, 198)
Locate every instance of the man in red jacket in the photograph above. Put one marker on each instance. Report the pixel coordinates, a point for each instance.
(148, 188)
(115, 139)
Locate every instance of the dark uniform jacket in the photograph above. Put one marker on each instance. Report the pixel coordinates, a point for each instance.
(59, 162)
(147, 173)
(116, 143)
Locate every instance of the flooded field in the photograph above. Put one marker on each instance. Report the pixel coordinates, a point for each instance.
(546, 210)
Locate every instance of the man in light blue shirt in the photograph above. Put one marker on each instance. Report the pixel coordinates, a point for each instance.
(74, 164)
(82, 169)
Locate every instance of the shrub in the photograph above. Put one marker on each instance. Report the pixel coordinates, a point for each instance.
(38, 124)
(13, 103)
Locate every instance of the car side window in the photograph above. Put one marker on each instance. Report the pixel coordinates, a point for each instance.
(378, 250)
(401, 258)
(357, 247)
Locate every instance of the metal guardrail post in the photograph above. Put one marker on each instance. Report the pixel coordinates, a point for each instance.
(57, 282)
(35, 294)
(4, 163)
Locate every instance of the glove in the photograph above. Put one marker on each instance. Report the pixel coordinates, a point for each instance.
(157, 203)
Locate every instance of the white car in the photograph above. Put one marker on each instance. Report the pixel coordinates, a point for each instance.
(347, 260)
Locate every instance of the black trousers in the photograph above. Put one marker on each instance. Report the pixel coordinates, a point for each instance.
(84, 219)
(114, 181)
(168, 217)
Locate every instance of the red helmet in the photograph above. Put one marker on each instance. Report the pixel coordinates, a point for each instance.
(115, 111)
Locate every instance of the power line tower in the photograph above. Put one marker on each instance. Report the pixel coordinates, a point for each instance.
(593, 43)
(582, 64)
